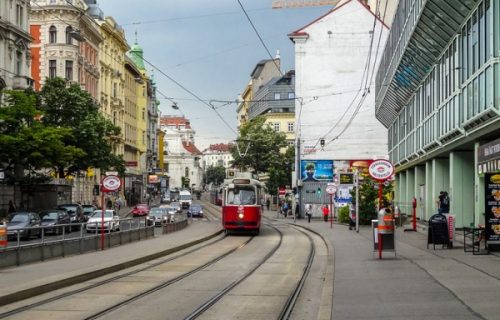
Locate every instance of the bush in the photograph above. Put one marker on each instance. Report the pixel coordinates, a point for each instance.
(344, 214)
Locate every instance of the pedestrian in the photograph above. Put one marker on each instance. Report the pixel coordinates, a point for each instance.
(262, 203)
(80, 216)
(308, 212)
(285, 209)
(117, 204)
(12, 207)
(109, 204)
(326, 212)
(268, 204)
(443, 202)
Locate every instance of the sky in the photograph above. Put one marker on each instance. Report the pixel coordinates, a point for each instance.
(210, 48)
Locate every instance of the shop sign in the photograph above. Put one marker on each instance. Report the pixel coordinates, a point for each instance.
(131, 163)
(492, 208)
(152, 179)
(316, 170)
(346, 178)
(381, 169)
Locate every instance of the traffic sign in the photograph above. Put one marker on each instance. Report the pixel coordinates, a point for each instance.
(281, 191)
(331, 188)
(381, 169)
(111, 183)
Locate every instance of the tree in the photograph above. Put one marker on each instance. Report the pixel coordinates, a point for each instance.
(368, 199)
(68, 106)
(26, 144)
(268, 152)
(214, 175)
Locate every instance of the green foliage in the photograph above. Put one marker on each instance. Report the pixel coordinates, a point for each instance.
(268, 152)
(73, 108)
(344, 214)
(60, 128)
(214, 175)
(368, 195)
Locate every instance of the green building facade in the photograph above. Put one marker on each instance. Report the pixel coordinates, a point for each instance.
(438, 93)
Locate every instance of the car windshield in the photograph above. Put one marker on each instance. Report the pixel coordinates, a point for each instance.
(98, 214)
(88, 210)
(185, 197)
(50, 216)
(18, 218)
(141, 206)
(195, 207)
(158, 212)
(70, 209)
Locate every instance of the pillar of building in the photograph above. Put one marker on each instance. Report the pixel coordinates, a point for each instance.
(410, 189)
(461, 191)
(478, 191)
(419, 187)
(430, 205)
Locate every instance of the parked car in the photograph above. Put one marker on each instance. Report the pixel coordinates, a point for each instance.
(53, 219)
(140, 210)
(195, 210)
(176, 206)
(21, 222)
(75, 216)
(88, 210)
(111, 221)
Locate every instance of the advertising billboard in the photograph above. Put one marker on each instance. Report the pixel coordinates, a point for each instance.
(316, 170)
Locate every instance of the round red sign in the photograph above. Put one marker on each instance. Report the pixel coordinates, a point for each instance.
(111, 183)
(381, 169)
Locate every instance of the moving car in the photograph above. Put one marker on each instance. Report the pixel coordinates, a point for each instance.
(111, 221)
(21, 222)
(140, 210)
(185, 198)
(159, 216)
(176, 206)
(195, 210)
(75, 217)
(53, 219)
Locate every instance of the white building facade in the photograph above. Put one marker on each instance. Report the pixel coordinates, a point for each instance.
(217, 155)
(336, 57)
(182, 159)
(15, 56)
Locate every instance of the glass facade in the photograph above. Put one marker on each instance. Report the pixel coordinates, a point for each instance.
(460, 92)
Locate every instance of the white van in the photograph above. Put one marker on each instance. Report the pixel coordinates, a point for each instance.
(185, 198)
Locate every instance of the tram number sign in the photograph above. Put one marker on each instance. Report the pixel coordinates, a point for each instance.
(111, 183)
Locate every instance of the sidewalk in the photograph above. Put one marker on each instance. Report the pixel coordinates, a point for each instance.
(416, 283)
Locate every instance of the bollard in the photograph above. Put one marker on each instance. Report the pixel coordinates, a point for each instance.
(3, 236)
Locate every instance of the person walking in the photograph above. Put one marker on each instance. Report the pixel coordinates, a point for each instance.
(308, 212)
(268, 204)
(443, 202)
(12, 207)
(285, 209)
(326, 212)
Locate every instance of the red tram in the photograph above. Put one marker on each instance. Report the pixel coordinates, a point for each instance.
(241, 209)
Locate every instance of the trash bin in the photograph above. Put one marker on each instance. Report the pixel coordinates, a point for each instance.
(438, 231)
(385, 221)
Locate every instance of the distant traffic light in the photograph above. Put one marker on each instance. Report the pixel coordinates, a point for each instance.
(318, 192)
(322, 142)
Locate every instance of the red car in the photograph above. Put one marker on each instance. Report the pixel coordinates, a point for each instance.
(140, 210)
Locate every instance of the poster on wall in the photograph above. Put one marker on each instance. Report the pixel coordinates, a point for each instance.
(316, 170)
(492, 207)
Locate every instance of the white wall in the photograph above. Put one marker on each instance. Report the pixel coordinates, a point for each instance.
(329, 69)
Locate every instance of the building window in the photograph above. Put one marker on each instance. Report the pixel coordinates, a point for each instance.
(291, 143)
(52, 34)
(19, 63)
(52, 69)
(291, 95)
(290, 126)
(277, 96)
(115, 89)
(186, 172)
(276, 126)
(20, 15)
(69, 39)
(69, 70)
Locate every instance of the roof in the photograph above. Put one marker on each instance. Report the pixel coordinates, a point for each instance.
(258, 67)
(301, 32)
(191, 148)
(219, 147)
(175, 120)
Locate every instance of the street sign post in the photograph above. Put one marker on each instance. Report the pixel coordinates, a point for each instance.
(109, 183)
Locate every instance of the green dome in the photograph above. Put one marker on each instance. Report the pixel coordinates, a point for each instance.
(136, 54)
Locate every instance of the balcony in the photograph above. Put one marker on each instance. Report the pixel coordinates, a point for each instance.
(421, 31)
(22, 82)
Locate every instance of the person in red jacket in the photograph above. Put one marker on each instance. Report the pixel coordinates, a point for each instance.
(326, 212)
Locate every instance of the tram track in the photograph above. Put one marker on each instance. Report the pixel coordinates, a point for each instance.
(128, 274)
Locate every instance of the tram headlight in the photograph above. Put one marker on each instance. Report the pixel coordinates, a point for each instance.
(240, 215)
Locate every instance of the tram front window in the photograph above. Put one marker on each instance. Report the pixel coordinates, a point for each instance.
(241, 196)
